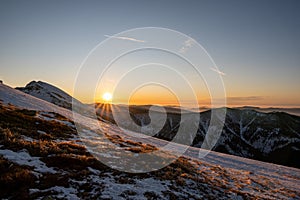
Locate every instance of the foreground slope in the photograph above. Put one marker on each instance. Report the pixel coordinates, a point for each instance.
(42, 156)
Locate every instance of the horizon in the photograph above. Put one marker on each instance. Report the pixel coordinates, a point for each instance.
(201, 106)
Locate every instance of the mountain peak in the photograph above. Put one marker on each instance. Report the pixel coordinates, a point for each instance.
(49, 93)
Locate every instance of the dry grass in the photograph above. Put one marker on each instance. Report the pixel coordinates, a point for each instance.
(72, 162)
(135, 147)
(39, 148)
(15, 180)
(26, 123)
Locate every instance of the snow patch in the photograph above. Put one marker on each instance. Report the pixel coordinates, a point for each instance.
(66, 193)
(23, 158)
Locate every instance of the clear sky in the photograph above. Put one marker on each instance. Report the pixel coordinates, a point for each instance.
(255, 43)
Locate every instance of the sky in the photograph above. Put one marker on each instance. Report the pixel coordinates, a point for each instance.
(254, 44)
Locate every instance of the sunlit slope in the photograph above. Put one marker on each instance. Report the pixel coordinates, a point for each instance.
(216, 176)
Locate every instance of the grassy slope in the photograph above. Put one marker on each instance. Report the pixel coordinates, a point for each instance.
(77, 171)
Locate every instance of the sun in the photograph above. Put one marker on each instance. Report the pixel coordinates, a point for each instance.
(107, 96)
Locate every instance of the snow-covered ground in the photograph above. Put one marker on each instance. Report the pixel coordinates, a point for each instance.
(218, 167)
(49, 93)
(23, 158)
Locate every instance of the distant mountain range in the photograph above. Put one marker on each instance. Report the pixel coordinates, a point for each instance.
(292, 111)
(267, 136)
(271, 137)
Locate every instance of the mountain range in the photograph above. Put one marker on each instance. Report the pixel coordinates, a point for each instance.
(42, 156)
(272, 137)
(267, 136)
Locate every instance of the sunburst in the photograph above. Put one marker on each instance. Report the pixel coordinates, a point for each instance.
(107, 96)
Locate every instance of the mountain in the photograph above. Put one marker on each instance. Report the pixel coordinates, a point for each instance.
(291, 111)
(248, 132)
(272, 137)
(42, 156)
(14, 97)
(49, 93)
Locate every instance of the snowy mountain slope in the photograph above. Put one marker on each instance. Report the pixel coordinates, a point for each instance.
(217, 175)
(247, 132)
(49, 93)
(60, 168)
(15, 97)
(272, 137)
(10, 96)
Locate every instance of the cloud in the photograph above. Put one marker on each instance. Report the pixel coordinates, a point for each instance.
(243, 99)
(125, 38)
(187, 45)
(218, 71)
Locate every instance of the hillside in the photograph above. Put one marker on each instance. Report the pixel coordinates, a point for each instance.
(42, 156)
(272, 137)
(247, 132)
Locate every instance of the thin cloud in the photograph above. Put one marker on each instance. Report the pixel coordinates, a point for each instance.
(218, 71)
(247, 98)
(125, 38)
(236, 100)
(186, 45)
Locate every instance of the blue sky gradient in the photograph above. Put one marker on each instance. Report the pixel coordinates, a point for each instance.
(256, 43)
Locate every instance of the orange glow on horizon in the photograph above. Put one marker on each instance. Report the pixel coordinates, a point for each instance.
(156, 95)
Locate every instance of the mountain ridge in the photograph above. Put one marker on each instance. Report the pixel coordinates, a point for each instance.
(49, 93)
(42, 156)
(272, 137)
(247, 132)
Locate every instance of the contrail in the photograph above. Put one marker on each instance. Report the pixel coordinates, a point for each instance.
(218, 71)
(125, 38)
